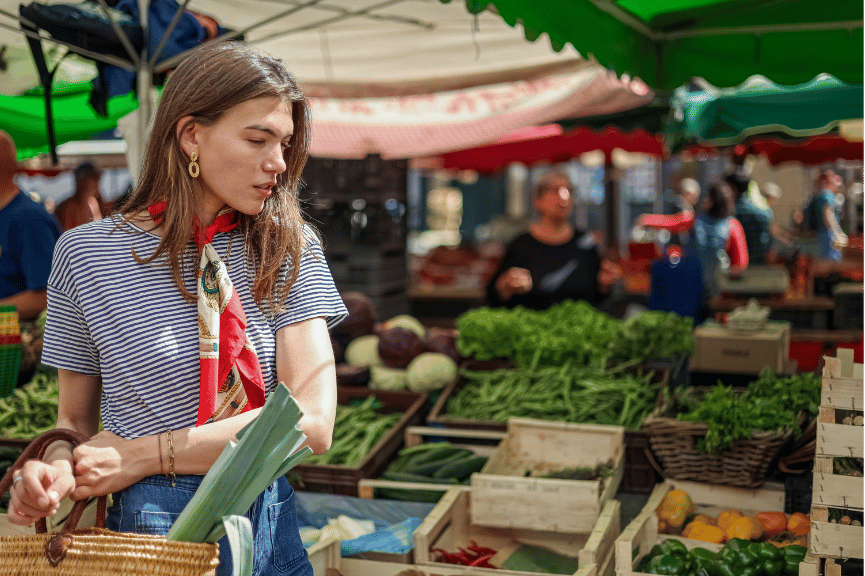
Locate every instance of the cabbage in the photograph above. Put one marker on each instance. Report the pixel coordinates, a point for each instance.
(363, 351)
(430, 371)
(407, 322)
(384, 378)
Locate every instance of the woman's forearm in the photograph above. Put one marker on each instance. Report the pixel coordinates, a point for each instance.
(195, 449)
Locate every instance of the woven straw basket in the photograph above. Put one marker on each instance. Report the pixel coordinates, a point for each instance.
(745, 464)
(95, 551)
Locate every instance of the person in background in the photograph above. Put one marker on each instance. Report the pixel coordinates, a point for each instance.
(171, 323)
(85, 205)
(715, 237)
(819, 215)
(27, 237)
(782, 238)
(553, 261)
(756, 221)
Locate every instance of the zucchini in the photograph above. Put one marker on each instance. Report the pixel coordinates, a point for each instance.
(414, 478)
(461, 468)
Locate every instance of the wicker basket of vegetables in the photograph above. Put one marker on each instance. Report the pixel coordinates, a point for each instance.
(731, 437)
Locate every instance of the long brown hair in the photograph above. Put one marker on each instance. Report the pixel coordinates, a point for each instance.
(205, 86)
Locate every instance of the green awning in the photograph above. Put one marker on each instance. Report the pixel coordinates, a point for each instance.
(727, 116)
(23, 117)
(667, 42)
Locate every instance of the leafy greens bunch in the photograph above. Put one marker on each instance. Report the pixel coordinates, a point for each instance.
(772, 402)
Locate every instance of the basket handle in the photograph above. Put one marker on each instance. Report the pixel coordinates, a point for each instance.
(36, 449)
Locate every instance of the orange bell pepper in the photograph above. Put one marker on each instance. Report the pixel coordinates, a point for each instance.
(746, 528)
(727, 517)
(773, 523)
(799, 524)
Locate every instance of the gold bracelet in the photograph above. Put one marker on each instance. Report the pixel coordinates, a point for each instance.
(171, 473)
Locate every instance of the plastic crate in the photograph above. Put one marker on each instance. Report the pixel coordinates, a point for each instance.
(10, 349)
(848, 306)
(797, 493)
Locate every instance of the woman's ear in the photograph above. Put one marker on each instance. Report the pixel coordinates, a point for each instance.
(187, 134)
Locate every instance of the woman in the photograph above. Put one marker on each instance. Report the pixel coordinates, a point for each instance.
(553, 261)
(131, 330)
(713, 235)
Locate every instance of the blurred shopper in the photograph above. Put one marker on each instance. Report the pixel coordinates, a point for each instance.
(819, 216)
(27, 237)
(715, 237)
(756, 220)
(85, 205)
(782, 238)
(553, 261)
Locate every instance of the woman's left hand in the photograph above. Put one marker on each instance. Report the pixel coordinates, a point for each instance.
(608, 275)
(103, 465)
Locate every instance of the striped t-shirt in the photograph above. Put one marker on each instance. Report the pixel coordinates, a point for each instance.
(109, 315)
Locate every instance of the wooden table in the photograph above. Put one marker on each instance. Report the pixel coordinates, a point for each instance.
(809, 312)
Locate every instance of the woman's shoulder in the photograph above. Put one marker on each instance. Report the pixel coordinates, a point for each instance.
(100, 235)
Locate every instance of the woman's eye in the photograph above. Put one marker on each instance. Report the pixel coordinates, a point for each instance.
(257, 141)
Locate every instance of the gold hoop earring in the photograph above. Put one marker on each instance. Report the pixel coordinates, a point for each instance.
(194, 170)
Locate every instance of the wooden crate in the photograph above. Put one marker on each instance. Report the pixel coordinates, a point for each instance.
(842, 390)
(541, 446)
(356, 567)
(450, 526)
(339, 479)
(481, 442)
(642, 533)
(324, 555)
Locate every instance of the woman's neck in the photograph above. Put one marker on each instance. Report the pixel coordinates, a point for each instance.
(552, 231)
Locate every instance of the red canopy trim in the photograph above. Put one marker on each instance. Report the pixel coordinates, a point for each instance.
(545, 144)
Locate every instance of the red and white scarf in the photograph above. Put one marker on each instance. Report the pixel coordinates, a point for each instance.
(231, 378)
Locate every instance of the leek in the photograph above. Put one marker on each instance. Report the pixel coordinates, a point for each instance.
(266, 449)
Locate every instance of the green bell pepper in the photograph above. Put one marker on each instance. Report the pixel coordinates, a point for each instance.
(671, 546)
(774, 567)
(769, 552)
(672, 565)
(793, 556)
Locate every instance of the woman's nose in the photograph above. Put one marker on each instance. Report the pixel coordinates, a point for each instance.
(275, 161)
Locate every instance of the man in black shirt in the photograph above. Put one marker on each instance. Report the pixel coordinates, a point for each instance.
(553, 261)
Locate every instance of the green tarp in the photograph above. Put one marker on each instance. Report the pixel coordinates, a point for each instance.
(667, 42)
(727, 116)
(23, 117)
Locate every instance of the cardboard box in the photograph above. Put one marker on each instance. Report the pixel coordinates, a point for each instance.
(720, 349)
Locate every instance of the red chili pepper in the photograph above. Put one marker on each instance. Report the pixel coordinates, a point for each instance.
(446, 556)
(482, 560)
(478, 549)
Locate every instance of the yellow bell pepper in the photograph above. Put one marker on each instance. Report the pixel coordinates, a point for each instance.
(727, 517)
(673, 510)
(705, 533)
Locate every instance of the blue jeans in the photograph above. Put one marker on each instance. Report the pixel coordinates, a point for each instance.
(152, 505)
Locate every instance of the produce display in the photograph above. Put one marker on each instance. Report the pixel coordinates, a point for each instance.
(356, 430)
(430, 463)
(571, 332)
(676, 516)
(8, 456)
(578, 394)
(31, 409)
(772, 402)
(739, 557)
(398, 354)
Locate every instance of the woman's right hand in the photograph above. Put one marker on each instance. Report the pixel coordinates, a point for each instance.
(514, 281)
(39, 491)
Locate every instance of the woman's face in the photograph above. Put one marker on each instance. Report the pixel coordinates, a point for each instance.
(555, 199)
(241, 155)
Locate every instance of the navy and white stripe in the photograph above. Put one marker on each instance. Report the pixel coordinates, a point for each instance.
(109, 315)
